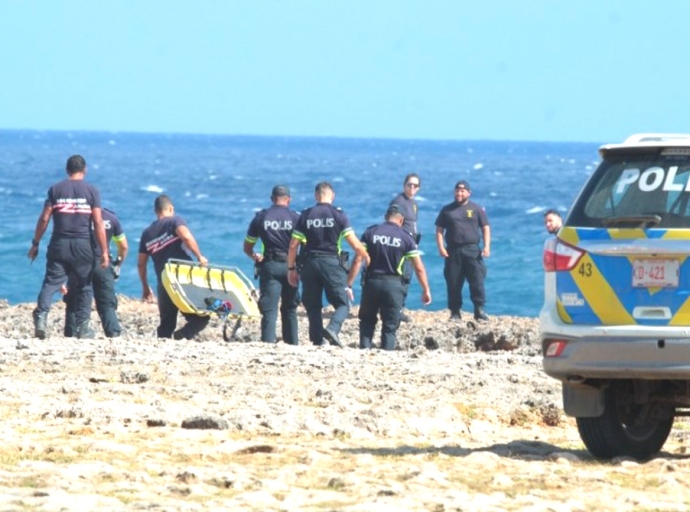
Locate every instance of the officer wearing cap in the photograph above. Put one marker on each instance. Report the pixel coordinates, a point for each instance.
(322, 228)
(273, 226)
(389, 247)
(464, 223)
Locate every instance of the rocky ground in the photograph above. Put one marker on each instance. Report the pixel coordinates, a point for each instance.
(460, 418)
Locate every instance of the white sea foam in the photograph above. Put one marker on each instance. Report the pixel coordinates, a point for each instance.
(478, 166)
(535, 209)
(152, 188)
(202, 196)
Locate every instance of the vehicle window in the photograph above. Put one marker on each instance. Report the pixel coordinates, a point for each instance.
(649, 192)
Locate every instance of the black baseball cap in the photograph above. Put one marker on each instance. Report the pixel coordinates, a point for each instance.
(463, 184)
(280, 190)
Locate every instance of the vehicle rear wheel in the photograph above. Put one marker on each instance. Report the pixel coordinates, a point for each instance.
(626, 428)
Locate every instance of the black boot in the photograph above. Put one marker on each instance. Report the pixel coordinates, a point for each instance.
(480, 315)
(84, 330)
(40, 324)
(455, 315)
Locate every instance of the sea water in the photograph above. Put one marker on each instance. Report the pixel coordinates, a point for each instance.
(219, 182)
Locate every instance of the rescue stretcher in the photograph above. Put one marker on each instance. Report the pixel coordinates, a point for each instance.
(213, 289)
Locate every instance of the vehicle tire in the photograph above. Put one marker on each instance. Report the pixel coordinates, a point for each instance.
(622, 430)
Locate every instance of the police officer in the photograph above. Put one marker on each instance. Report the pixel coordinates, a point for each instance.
(322, 228)
(168, 237)
(408, 207)
(74, 205)
(103, 282)
(389, 245)
(464, 222)
(274, 226)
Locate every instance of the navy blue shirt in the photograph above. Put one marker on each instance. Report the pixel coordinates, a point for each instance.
(113, 229)
(408, 207)
(161, 242)
(462, 223)
(72, 202)
(389, 246)
(274, 227)
(322, 228)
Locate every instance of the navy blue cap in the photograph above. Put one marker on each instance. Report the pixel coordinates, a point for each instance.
(463, 184)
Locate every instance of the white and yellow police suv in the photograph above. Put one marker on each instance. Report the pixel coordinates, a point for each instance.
(615, 325)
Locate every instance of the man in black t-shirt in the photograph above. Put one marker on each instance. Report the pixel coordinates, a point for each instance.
(464, 224)
(74, 205)
(273, 226)
(168, 237)
(383, 288)
(321, 229)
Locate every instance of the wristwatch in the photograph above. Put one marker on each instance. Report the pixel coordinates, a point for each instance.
(292, 268)
(34, 243)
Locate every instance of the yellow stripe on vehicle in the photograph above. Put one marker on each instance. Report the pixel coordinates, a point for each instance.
(569, 235)
(682, 316)
(626, 233)
(598, 293)
(677, 234)
(562, 313)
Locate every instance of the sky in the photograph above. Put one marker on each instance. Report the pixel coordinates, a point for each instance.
(529, 70)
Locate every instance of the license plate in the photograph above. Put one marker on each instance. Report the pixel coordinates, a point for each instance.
(649, 273)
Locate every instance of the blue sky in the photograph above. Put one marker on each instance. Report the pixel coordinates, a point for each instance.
(590, 71)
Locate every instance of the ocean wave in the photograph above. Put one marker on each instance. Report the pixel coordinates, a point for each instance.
(152, 188)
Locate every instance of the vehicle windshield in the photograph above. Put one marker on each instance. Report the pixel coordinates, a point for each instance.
(642, 189)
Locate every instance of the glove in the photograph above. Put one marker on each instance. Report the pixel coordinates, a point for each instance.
(117, 268)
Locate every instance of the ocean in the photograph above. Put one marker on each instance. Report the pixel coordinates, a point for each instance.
(218, 182)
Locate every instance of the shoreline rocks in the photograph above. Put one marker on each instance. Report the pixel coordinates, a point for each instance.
(461, 417)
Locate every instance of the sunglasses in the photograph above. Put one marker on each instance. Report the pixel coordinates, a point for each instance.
(413, 185)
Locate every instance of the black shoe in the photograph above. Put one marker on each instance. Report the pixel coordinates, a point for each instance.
(332, 337)
(40, 324)
(84, 331)
(404, 317)
(480, 315)
(454, 315)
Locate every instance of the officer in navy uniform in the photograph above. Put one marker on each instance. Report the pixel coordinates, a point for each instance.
(408, 207)
(103, 282)
(274, 227)
(168, 237)
(322, 228)
(74, 205)
(389, 245)
(464, 222)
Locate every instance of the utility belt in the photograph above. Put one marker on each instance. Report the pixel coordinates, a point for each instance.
(343, 258)
(366, 276)
(319, 255)
(386, 277)
(278, 256)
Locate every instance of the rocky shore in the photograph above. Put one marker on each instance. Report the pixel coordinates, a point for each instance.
(460, 418)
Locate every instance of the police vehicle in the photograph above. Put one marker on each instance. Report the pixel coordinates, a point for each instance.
(615, 324)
